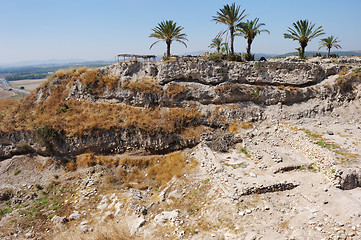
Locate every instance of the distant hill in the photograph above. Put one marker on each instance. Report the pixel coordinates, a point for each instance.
(311, 53)
(50, 66)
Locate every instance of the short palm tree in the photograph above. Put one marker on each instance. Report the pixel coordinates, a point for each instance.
(329, 43)
(230, 16)
(168, 31)
(225, 48)
(216, 43)
(303, 31)
(250, 30)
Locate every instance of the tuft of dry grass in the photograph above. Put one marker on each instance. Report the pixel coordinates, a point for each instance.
(90, 159)
(193, 133)
(246, 125)
(174, 89)
(7, 109)
(138, 171)
(153, 171)
(144, 85)
(343, 71)
(96, 82)
(233, 128)
(110, 230)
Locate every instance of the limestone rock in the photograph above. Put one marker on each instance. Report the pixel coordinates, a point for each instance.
(350, 179)
(164, 217)
(59, 221)
(75, 216)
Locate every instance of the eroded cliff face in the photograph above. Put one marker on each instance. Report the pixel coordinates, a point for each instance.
(129, 96)
(178, 83)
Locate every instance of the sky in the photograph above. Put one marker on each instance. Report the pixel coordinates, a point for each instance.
(101, 29)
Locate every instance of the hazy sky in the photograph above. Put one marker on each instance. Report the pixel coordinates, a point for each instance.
(100, 29)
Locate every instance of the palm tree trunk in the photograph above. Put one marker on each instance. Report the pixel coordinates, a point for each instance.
(328, 54)
(249, 41)
(303, 47)
(168, 49)
(232, 39)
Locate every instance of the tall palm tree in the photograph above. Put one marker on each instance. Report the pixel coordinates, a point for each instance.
(230, 16)
(168, 31)
(216, 43)
(329, 43)
(303, 31)
(250, 30)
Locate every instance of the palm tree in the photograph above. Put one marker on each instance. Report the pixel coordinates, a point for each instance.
(329, 43)
(303, 31)
(168, 31)
(230, 16)
(225, 48)
(250, 30)
(216, 43)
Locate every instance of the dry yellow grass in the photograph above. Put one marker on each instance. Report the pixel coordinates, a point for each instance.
(154, 170)
(175, 89)
(110, 230)
(233, 128)
(138, 171)
(90, 159)
(246, 125)
(193, 133)
(144, 85)
(81, 117)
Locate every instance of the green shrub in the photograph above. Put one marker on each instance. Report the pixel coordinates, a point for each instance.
(44, 135)
(215, 57)
(17, 172)
(4, 211)
(235, 57)
(248, 57)
(25, 148)
(257, 65)
(244, 150)
(357, 70)
(254, 94)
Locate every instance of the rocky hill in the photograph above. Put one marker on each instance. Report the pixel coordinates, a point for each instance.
(188, 149)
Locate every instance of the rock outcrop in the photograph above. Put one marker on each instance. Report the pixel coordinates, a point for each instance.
(246, 91)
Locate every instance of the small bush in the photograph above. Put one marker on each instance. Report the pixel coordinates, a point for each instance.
(334, 55)
(357, 70)
(235, 57)
(6, 194)
(254, 94)
(244, 150)
(25, 148)
(215, 57)
(248, 57)
(4, 211)
(44, 135)
(17, 172)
